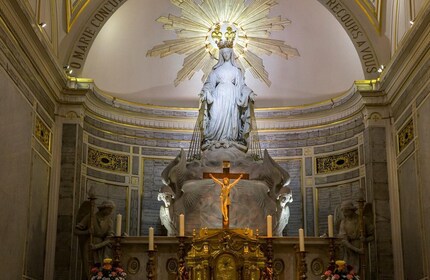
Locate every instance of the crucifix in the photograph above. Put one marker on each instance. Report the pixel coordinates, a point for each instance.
(225, 188)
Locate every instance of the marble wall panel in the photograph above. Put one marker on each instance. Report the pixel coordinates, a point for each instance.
(150, 212)
(423, 120)
(37, 218)
(308, 166)
(134, 213)
(135, 165)
(329, 199)
(310, 216)
(108, 145)
(410, 216)
(106, 175)
(15, 165)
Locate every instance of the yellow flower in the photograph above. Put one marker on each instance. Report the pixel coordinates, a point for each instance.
(341, 264)
(107, 260)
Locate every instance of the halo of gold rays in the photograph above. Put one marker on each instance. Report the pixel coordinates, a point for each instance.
(199, 21)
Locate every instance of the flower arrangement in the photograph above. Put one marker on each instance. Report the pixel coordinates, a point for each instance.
(340, 270)
(107, 271)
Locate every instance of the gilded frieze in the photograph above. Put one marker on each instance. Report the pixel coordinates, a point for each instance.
(406, 135)
(43, 134)
(109, 161)
(337, 162)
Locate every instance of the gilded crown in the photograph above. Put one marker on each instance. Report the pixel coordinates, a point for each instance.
(225, 44)
(224, 40)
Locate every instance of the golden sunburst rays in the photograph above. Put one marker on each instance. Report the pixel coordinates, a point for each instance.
(198, 30)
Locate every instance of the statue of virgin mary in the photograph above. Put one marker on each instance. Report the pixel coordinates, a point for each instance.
(227, 103)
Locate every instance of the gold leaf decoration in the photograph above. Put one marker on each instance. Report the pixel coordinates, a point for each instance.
(337, 162)
(199, 22)
(43, 134)
(406, 135)
(108, 161)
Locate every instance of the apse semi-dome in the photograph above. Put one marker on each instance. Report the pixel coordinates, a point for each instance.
(327, 66)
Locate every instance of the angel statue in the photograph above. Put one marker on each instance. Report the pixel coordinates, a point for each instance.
(166, 212)
(94, 232)
(227, 101)
(285, 197)
(353, 237)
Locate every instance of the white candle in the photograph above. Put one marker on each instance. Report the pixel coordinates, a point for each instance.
(330, 225)
(118, 225)
(301, 240)
(269, 226)
(151, 239)
(181, 225)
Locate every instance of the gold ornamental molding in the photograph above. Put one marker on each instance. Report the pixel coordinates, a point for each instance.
(337, 162)
(405, 135)
(372, 9)
(108, 161)
(73, 9)
(43, 134)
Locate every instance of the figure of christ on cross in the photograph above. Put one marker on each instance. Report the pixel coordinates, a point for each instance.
(225, 194)
(223, 179)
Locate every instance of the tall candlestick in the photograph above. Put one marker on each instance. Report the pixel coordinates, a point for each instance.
(181, 225)
(118, 225)
(151, 239)
(269, 226)
(330, 225)
(301, 240)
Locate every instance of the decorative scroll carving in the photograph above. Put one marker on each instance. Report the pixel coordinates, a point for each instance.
(278, 266)
(406, 135)
(43, 134)
(133, 266)
(337, 162)
(172, 266)
(317, 266)
(109, 161)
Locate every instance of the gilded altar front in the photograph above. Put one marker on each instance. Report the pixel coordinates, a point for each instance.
(229, 254)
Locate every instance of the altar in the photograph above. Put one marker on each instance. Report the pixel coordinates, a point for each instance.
(286, 259)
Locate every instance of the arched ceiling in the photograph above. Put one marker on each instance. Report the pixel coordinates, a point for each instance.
(327, 66)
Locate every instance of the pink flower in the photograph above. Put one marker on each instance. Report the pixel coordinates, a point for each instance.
(113, 273)
(349, 276)
(94, 270)
(328, 273)
(336, 276)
